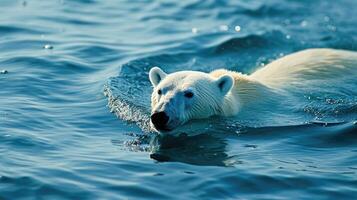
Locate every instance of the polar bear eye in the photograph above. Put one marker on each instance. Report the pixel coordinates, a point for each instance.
(188, 94)
(159, 92)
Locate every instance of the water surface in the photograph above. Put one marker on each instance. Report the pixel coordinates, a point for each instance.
(74, 102)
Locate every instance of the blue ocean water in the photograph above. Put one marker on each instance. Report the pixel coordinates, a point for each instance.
(74, 101)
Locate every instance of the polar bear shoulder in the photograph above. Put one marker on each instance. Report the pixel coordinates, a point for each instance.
(245, 90)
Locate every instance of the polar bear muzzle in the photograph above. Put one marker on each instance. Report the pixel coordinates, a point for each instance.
(160, 120)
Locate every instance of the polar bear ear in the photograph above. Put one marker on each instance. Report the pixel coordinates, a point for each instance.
(225, 83)
(156, 75)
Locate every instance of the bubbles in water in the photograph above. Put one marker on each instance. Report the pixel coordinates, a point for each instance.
(288, 37)
(47, 46)
(223, 28)
(3, 71)
(237, 28)
(194, 30)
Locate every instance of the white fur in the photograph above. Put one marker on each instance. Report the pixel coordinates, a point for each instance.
(311, 64)
(228, 93)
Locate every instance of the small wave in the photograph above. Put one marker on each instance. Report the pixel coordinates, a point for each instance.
(25, 142)
(127, 101)
(11, 30)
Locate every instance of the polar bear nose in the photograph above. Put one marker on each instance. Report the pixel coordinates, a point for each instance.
(160, 120)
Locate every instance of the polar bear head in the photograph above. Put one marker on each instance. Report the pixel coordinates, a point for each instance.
(181, 96)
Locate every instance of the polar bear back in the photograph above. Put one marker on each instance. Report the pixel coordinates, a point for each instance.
(311, 64)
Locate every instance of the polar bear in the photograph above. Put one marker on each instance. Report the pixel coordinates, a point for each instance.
(185, 95)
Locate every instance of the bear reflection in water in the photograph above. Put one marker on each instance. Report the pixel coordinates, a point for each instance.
(207, 146)
(226, 148)
(203, 149)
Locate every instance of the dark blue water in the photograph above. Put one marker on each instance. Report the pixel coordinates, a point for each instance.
(74, 101)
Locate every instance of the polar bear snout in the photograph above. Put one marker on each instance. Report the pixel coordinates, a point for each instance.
(160, 120)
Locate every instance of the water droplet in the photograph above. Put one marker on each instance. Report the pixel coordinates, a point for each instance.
(194, 30)
(326, 18)
(223, 28)
(331, 28)
(3, 71)
(237, 28)
(47, 46)
(303, 23)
